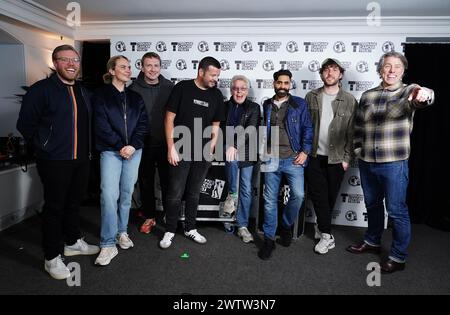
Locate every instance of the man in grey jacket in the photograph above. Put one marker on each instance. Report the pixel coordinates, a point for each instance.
(155, 90)
(332, 111)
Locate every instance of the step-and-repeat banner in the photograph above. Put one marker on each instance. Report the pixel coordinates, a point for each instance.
(258, 58)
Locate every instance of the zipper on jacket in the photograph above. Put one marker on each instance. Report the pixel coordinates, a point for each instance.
(49, 136)
(124, 105)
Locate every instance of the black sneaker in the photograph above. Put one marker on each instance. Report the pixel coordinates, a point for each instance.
(266, 251)
(285, 236)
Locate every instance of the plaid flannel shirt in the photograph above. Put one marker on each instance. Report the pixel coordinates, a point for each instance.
(383, 123)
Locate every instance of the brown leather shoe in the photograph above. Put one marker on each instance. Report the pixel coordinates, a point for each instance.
(363, 248)
(390, 266)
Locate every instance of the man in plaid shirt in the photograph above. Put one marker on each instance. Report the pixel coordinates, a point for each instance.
(383, 123)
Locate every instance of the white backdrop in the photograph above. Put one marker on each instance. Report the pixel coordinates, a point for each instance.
(258, 58)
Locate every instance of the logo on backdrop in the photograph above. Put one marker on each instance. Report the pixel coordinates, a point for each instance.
(351, 216)
(194, 64)
(364, 47)
(292, 46)
(354, 181)
(137, 64)
(352, 198)
(339, 47)
(246, 46)
(264, 84)
(140, 46)
(225, 65)
(224, 83)
(165, 64)
(291, 65)
(246, 64)
(268, 65)
(269, 46)
(203, 46)
(120, 46)
(311, 84)
(314, 66)
(315, 46)
(225, 46)
(360, 86)
(293, 85)
(181, 64)
(388, 47)
(161, 46)
(182, 46)
(362, 66)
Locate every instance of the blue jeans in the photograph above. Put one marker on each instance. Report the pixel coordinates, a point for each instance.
(245, 190)
(118, 177)
(387, 181)
(295, 179)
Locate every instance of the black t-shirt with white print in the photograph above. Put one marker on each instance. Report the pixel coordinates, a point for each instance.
(190, 104)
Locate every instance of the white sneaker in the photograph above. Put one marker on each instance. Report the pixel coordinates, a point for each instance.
(167, 240)
(246, 236)
(81, 248)
(317, 233)
(124, 241)
(57, 269)
(229, 207)
(326, 242)
(195, 236)
(106, 255)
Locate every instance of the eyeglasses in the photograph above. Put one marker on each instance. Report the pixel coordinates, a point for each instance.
(67, 60)
(237, 89)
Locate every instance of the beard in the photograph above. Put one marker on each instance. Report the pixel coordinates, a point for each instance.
(281, 92)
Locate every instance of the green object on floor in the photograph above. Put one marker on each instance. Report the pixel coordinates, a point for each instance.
(184, 256)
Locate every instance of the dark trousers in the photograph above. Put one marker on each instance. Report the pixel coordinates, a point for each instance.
(323, 182)
(64, 183)
(153, 157)
(186, 180)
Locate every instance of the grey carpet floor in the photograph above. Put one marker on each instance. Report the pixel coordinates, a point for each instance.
(225, 265)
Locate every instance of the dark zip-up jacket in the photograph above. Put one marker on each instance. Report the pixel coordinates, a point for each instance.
(297, 123)
(251, 116)
(47, 119)
(119, 123)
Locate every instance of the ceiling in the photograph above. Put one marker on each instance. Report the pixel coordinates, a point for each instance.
(129, 10)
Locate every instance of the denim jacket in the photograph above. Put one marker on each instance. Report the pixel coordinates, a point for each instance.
(297, 123)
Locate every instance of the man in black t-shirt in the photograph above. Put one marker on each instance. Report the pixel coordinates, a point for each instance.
(195, 107)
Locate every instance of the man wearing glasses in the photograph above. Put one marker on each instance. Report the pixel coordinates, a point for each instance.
(55, 118)
(241, 153)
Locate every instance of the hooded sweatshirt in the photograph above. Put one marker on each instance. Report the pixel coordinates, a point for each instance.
(155, 98)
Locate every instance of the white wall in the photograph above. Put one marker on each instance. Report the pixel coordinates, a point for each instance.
(12, 77)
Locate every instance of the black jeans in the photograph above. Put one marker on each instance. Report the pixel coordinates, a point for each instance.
(64, 183)
(323, 182)
(186, 180)
(155, 156)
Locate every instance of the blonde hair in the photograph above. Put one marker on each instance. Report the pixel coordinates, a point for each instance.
(110, 65)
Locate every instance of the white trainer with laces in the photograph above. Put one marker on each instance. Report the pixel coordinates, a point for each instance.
(167, 240)
(326, 242)
(124, 241)
(245, 235)
(56, 268)
(195, 236)
(81, 248)
(106, 255)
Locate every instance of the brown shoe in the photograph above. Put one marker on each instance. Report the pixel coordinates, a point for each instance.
(390, 266)
(363, 248)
